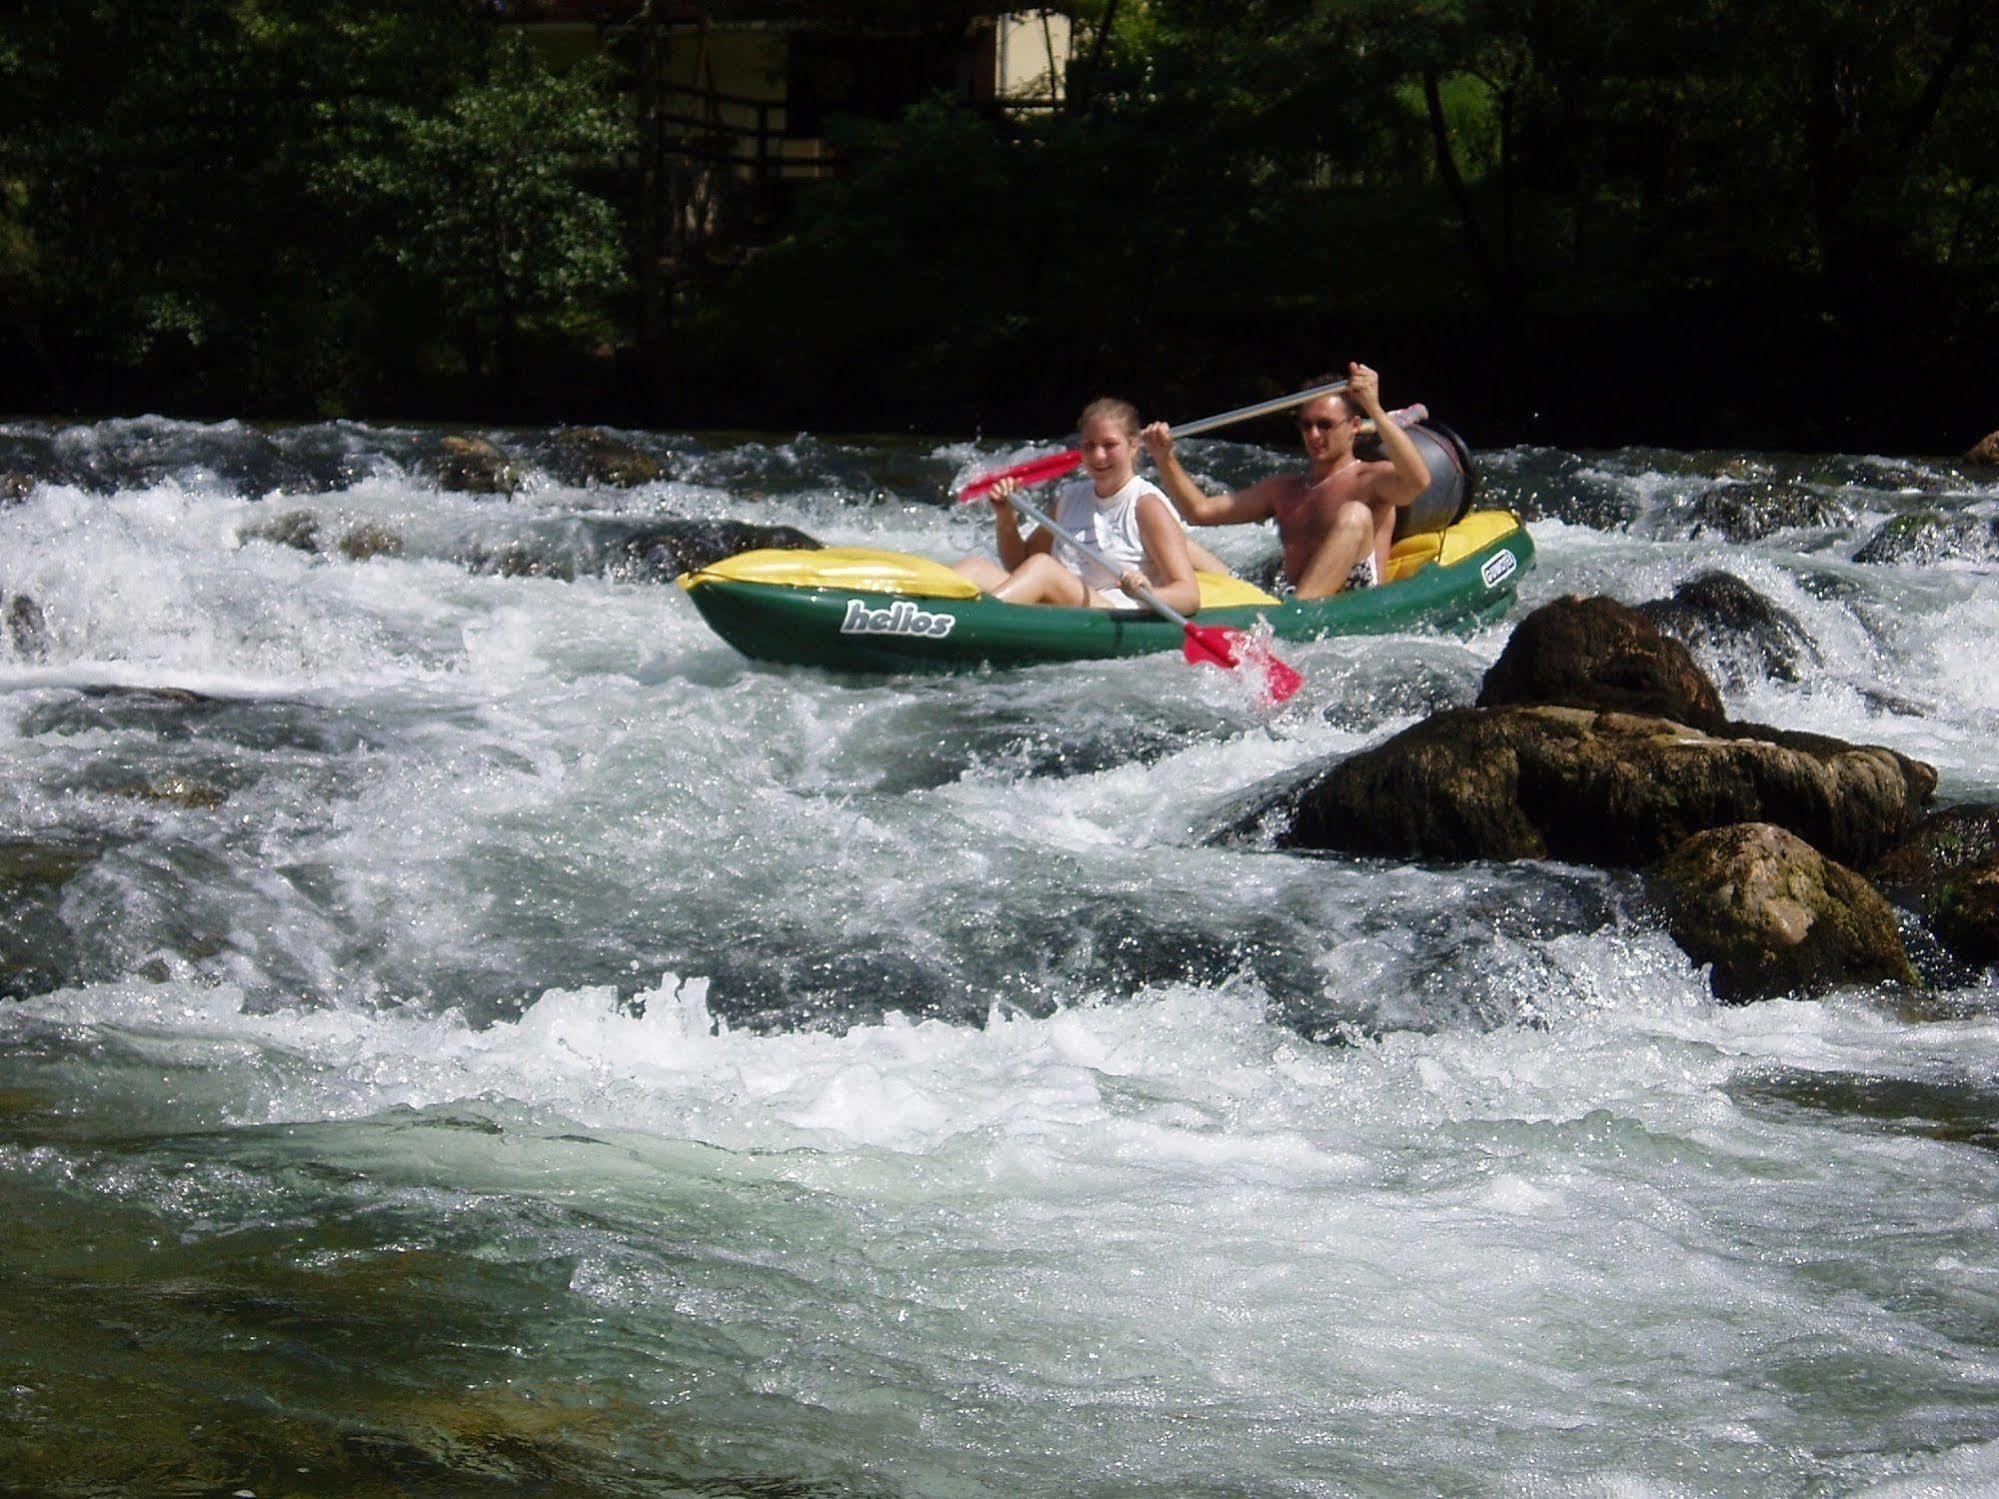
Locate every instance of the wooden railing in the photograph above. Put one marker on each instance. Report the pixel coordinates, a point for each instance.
(734, 130)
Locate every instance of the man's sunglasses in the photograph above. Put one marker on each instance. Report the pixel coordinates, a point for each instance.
(1320, 423)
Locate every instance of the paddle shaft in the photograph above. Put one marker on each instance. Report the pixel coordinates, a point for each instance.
(1054, 465)
(1261, 408)
(1097, 557)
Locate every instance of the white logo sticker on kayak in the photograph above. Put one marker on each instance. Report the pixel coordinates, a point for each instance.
(901, 618)
(1498, 568)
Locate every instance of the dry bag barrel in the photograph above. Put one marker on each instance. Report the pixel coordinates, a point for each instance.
(1448, 497)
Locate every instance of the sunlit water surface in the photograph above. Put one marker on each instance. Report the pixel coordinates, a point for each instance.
(472, 1032)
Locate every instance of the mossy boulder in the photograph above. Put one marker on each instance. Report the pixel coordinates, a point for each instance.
(297, 529)
(1774, 916)
(1742, 512)
(1599, 653)
(1728, 624)
(472, 465)
(1947, 871)
(588, 456)
(1588, 786)
(1927, 537)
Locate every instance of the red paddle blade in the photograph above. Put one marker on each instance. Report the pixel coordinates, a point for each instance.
(1212, 645)
(1034, 471)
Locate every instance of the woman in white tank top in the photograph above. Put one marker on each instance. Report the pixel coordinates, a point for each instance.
(1124, 517)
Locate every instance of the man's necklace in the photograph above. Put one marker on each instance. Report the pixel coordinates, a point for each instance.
(1352, 459)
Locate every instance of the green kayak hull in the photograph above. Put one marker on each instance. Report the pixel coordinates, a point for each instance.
(845, 629)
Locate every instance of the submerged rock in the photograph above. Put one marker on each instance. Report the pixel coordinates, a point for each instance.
(367, 540)
(588, 456)
(14, 488)
(1926, 537)
(1773, 915)
(518, 560)
(472, 465)
(297, 529)
(27, 627)
(1558, 486)
(36, 951)
(176, 790)
(1751, 511)
(1947, 871)
(667, 550)
(1598, 653)
(28, 864)
(1592, 787)
(1733, 626)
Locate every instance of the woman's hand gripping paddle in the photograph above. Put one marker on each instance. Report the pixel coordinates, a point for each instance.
(1203, 645)
(1055, 465)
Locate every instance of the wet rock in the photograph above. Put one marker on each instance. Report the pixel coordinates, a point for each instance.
(1728, 623)
(1545, 485)
(37, 952)
(1963, 1109)
(1927, 537)
(27, 627)
(472, 465)
(671, 548)
(297, 529)
(1985, 450)
(1947, 871)
(1598, 653)
(14, 488)
(26, 863)
(1751, 511)
(367, 540)
(1775, 916)
(520, 560)
(176, 790)
(1590, 787)
(587, 456)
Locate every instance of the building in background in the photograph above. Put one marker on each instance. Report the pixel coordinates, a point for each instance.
(734, 104)
(754, 86)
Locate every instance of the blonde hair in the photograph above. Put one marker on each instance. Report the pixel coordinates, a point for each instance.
(1109, 408)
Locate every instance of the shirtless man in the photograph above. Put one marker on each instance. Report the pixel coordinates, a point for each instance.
(1337, 521)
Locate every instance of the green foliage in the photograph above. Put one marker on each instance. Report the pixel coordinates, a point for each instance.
(478, 204)
(1257, 180)
(300, 205)
(267, 204)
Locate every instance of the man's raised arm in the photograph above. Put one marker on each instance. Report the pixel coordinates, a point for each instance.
(1412, 474)
(1196, 506)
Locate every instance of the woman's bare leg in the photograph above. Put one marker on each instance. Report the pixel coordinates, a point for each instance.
(1042, 580)
(984, 573)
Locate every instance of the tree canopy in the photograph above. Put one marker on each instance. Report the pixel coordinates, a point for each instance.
(1579, 219)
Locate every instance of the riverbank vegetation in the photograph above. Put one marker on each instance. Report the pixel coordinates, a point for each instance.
(1554, 219)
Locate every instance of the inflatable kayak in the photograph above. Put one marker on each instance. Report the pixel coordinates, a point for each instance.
(851, 609)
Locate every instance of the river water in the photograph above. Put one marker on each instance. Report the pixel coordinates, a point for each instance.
(470, 1032)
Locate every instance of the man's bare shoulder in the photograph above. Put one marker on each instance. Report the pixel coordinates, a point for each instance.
(1375, 475)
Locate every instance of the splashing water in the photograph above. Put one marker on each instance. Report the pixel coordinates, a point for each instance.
(472, 1032)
